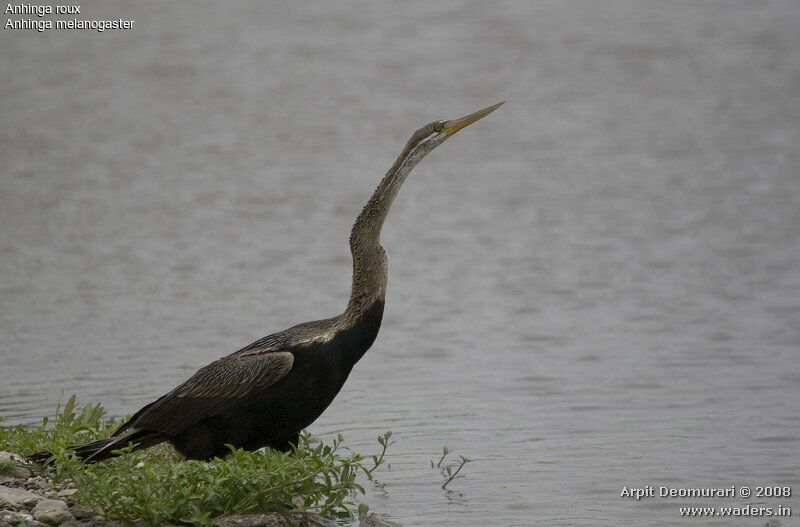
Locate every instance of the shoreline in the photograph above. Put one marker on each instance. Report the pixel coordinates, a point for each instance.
(32, 500)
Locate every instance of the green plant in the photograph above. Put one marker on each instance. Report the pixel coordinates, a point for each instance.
(157, 486)
(69, 427)
(377, 460)
(451, 471)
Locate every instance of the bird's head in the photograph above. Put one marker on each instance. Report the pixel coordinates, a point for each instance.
(433, 134)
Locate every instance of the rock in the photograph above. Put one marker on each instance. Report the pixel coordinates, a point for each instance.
(12, 467)
(312, 519)
(17, 498)
(120, 523)
(20, 519)
(81, 512)
(252, 520)
(5, 518)
(373, 520)
(30, 522)
(66, 493)
(14, 471)
(52, 512)
(78, 523)
(38, 483)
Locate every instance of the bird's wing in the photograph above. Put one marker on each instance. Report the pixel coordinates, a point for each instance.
(212, 390)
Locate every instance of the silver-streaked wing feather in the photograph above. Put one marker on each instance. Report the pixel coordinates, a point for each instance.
(214, 389)
(237, 376)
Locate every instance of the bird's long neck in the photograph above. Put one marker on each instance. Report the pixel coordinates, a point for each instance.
(370, 266)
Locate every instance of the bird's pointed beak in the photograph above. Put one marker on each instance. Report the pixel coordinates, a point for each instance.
(451, 127)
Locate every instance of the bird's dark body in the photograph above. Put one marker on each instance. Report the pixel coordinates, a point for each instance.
(275, 416)
(266, 393)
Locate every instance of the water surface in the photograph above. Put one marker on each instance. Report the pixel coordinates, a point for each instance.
(596, 286)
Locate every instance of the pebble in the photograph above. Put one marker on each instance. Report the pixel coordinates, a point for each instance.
(66, 493)
(52, 512)
(90, 523)
(312, 519)
(252, 520)
(20, 519)
(11, 468)
(38, 483)
(13, 498)
(373, 520)
(81, 512)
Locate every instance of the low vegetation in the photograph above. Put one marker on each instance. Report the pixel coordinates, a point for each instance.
(157, 486)
(450, 471)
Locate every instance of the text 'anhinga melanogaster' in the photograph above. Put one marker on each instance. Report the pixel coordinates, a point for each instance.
(267, 392)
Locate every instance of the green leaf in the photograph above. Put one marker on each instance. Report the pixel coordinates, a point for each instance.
(156, 486)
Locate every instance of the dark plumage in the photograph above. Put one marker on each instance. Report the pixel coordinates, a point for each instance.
(266, 393)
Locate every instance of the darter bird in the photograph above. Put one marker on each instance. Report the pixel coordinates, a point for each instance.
(267, 392)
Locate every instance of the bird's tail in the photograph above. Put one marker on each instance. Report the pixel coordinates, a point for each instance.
(81, 451)
(105, 448)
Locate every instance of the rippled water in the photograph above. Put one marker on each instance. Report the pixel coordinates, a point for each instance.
(596, 286)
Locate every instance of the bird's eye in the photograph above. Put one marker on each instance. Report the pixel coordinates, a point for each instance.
(438, 127)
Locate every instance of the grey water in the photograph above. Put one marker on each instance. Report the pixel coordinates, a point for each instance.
(597, 286)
